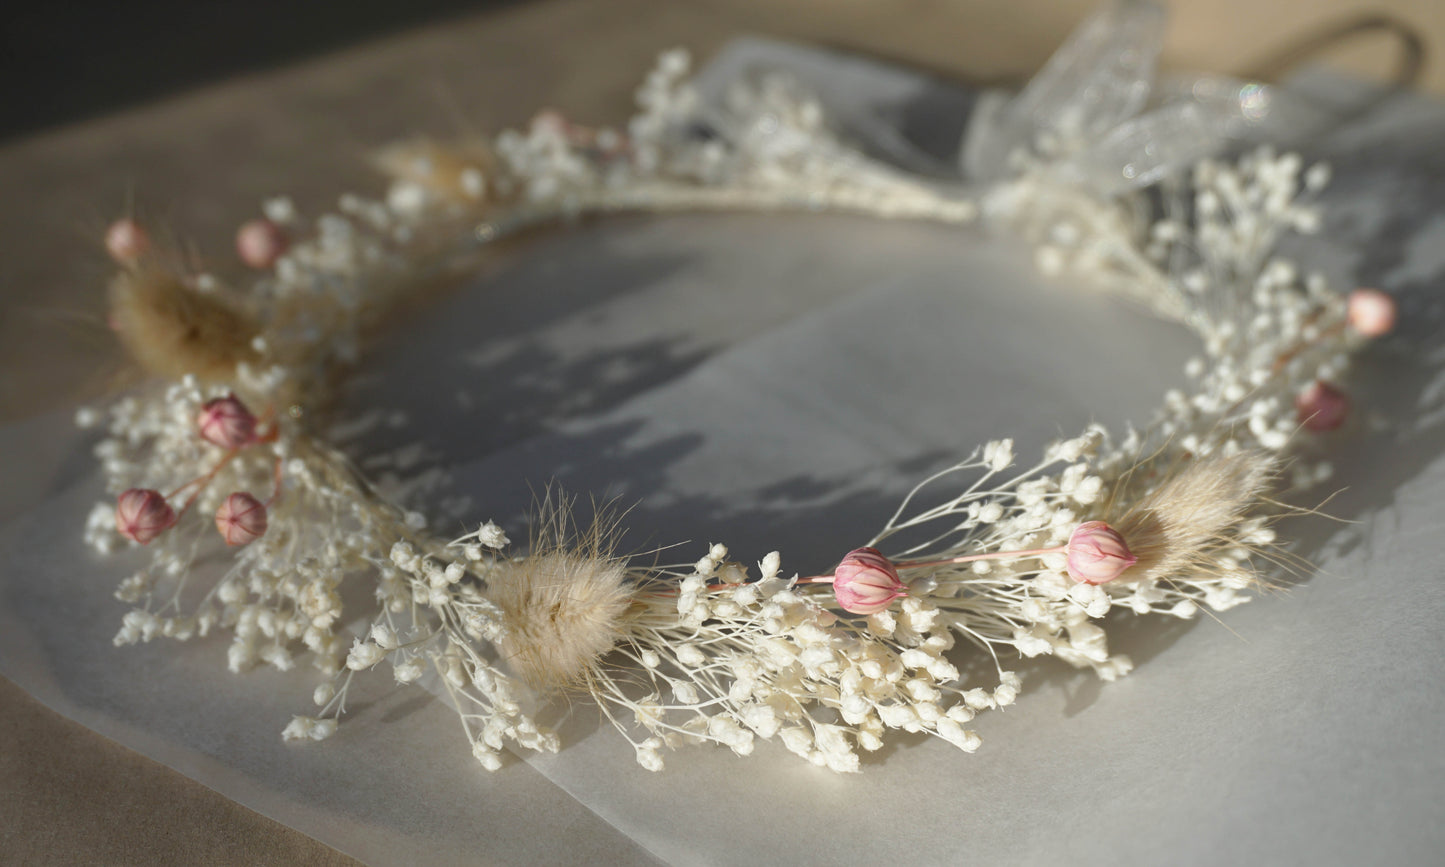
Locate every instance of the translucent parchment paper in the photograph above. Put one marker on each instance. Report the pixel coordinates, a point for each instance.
(777, 383)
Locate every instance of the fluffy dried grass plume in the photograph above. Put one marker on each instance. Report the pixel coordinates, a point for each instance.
(171, 329)
(1180, 525)
(458, 170)
(564, 606)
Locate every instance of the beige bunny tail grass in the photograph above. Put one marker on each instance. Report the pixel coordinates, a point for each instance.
(171, 329)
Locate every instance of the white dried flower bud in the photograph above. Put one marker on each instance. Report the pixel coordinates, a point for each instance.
(998, 455)
(1185, 609)
(942, 671)
(308, 728)
(408, 671)
(957, 735)
(489, 535)
(456, 673)
(487, 757)
(897, 716)
(279, 210)
(732, 573)
(761, 719)
(797, 740)
(404, 556)
(689, 655)
(649, 758)
(383, 636)
(882, 623)
(363, 654)
(978, 699)
(299, 729)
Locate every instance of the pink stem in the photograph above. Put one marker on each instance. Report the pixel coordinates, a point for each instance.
(269, 436)
(967, 558)
(202, 481)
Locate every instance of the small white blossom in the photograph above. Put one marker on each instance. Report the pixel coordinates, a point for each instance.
(489, 535)
(998, 455)
(363, 654)
(383, 636)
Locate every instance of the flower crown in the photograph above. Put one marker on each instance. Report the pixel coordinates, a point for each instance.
(1109, 182)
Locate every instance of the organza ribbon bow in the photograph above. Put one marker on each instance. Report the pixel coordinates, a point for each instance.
(1096, 116)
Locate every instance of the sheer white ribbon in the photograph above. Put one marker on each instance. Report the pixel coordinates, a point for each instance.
(1097, 116)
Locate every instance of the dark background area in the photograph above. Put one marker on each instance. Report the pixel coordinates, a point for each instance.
(60, 62)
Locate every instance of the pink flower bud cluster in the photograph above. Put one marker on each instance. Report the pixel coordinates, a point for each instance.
(142, 514)
(867, 582)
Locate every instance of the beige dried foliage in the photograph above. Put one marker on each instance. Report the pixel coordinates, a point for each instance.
(1179, 525)
(564, 606)
(171, 329)
(441, 167)
(563, 612)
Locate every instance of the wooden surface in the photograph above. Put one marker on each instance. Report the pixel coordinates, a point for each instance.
(200, 162)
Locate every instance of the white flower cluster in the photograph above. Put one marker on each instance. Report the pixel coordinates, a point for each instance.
(434, 618)
(1027, 605)
(717, 656)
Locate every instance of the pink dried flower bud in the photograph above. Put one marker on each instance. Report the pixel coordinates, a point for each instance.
(1322, 407)
(260, 243)
(226, 422)
(241, 519)
(142, 514)
(1371, 312)
(866, 582)
(126, 241)
(1098, 553)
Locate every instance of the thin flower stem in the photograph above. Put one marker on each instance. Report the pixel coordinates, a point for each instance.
(996, 555)
(201, 481)
(967, 558)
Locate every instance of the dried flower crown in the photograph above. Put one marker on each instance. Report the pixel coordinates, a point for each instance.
(1015, 563)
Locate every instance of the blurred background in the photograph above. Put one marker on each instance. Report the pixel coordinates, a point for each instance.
(66, 62)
